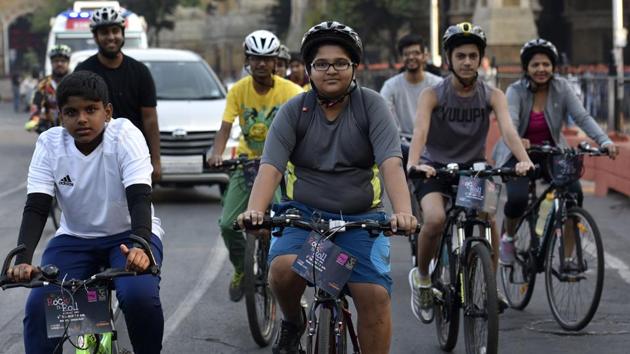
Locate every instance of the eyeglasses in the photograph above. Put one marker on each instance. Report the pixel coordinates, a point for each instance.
(322, 65)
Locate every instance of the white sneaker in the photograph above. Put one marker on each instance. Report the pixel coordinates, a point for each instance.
(421, 297)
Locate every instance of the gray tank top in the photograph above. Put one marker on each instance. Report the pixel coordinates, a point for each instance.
(459, 125)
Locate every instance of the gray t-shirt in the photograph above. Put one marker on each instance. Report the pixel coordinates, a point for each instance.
(459, 125)
(402, 98)
(334, 167)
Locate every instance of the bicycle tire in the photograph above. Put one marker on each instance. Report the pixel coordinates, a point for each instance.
(518, 279)
(259, 300)
(447, 309)
(325, 340)
(587, 223)
(472, 313)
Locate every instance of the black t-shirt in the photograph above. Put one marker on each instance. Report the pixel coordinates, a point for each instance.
(130, 87)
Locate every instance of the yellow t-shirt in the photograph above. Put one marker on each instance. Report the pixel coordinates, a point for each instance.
(256, 111)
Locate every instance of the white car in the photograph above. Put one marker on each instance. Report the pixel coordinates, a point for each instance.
(190, 104)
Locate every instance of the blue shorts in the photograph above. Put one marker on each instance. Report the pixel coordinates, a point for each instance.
(373, 253)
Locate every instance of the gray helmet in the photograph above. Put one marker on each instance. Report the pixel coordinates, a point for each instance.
(106, 16)
(536, 46)
(464, 33)
(335, 32)
(60, 50)
(283, 53)
(261, 43)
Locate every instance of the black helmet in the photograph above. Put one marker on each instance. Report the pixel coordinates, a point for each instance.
(106, 16)
(60, 50)
(464, 33)
(536, 46)
(335, 32)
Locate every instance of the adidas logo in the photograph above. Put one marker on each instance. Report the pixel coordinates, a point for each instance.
(66, 181)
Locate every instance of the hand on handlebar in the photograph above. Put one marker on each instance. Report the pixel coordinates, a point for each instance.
(613, 151)
(22, 273)
(404, 222)
(137, 259)
(523, 167)
(215, 160)
(428, 170)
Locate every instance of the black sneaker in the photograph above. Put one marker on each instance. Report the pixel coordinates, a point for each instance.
(288, 338)
(236, 287)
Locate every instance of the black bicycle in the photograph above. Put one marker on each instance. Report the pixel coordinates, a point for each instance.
(463, 276)
(85, 308)
(259, 300)
(329, 319)
(569, 249)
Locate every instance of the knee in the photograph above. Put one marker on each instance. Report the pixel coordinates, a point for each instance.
(280, 274)
(433, 223)
(139, 299)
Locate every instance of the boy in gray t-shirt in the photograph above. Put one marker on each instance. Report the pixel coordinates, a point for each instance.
(402, 90)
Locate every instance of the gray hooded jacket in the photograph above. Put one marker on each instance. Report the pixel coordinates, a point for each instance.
(561, 101)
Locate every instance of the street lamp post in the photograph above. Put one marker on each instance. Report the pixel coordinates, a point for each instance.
(436, 59)
(619, 42)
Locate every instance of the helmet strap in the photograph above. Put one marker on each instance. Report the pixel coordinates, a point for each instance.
(466, 83)
(532, 85)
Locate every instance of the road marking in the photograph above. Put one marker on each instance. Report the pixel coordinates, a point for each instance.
(215, 263)
(610, 261)
(13, 190)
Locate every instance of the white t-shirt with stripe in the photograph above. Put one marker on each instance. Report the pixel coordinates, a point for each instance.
(91, 189)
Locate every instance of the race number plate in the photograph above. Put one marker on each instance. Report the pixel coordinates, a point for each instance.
(330, 265)
(86, 311)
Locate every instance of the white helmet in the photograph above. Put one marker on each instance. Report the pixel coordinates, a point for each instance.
(106, 16)
(261, 43)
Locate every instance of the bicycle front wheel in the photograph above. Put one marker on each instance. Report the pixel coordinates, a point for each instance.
(325, 335)
(447, 304)
(574, 270)
(481, 316)
(259, 299)
(518, 279)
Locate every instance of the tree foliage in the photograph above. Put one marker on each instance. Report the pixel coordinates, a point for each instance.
(378, 22)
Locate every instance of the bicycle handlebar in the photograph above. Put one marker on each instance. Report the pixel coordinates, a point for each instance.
(293, 218)
(48, 274)
(452, 172)
(583, 148)
(233, 163)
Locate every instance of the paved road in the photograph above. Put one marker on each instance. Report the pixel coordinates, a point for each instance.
(200, 318)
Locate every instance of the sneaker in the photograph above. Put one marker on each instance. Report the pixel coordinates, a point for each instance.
(506, 250)
(288, 338)
(571, 266)
(421, 296)
(236, 286)
(503, 302)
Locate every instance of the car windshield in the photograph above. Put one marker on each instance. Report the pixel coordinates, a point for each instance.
(82, 43)
(184, 80)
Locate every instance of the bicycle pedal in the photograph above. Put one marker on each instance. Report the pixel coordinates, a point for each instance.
(437, 294)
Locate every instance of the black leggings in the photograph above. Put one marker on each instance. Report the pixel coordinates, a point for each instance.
(518, 188)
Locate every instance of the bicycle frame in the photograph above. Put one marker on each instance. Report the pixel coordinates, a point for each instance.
(557, 218)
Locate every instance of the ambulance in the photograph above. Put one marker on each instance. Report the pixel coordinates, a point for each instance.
(72, 27)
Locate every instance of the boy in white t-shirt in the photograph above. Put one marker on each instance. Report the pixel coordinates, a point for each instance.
(100, 172)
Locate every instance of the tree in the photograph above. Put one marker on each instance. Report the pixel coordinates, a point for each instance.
(157, 13)
(378, 22)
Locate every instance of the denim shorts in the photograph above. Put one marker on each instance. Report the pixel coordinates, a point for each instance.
(373, 253)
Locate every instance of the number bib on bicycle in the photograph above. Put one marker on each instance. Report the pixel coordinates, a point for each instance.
(324, 264)
(86, 311)
(478, 193)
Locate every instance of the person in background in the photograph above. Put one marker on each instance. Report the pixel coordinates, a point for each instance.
(282, 65)
(297, 71)
(487, 72)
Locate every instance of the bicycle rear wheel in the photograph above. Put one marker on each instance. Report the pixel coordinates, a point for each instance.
(259, 300)
(447, 306)
(519, 278)
(481, 317)
(574, 270)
